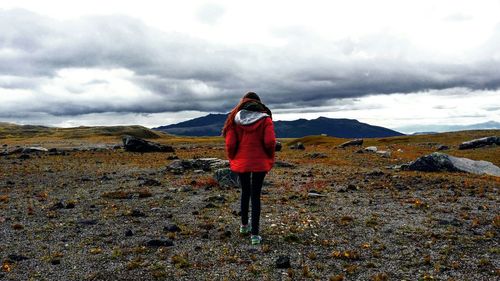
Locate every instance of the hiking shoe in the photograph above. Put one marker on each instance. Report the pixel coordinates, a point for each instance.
(256, 239)
(245, 229)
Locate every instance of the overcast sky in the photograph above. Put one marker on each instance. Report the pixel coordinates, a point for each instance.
(389, 63)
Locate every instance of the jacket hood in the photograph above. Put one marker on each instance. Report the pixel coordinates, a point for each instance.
(246, 117)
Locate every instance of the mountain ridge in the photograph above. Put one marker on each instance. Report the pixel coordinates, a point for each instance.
(211, 125)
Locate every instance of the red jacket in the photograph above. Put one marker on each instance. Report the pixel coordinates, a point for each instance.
(250, 143)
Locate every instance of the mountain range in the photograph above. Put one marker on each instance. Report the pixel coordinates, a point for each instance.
(439, 128)
(211, 125)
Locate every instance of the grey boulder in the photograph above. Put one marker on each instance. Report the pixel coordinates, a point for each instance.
(479, 142)
(133, 144)
(436, 162)
(354, 142)
(227, 178)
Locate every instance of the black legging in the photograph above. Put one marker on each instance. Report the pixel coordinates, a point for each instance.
(251, 188)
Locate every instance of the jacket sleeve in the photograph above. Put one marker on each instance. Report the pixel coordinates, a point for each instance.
(269, 138)
(231, 143)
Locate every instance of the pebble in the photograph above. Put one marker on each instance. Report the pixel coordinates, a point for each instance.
(283, 262)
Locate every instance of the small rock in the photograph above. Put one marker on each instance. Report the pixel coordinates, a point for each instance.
(27, 150)
(298, 146)
(383, 153)
(283, 262)
(172, 157)
(225, 234)
(136, 213)
(171, 228)
(278, 146)
(371, 149)
(129, 233)
(317, 155)
(453, 222)
(283, 164)
(17, 258)
(352, 187)
(210, 206)
(87, 222)
(24, 156)
(216, 198)
(160, 243)
(226, 178)
(442, 147)
(58, 205)
(150, 182)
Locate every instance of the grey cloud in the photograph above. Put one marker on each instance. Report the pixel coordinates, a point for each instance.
(175, 68)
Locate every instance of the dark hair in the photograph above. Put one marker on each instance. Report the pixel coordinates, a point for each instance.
(251, 95)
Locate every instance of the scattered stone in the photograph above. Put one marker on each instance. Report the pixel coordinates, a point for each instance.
(58, 205)
(352, 187)
(198, 171)
(437, 162)
(315, 194)
(226, 178)
(317, 155)
(185, 188)
(87, 222)
(70, 205)
(17, 258)
(27, 150)
(134, 144)
(24, 156)
(216, 198)
(370, 149)
(283, 164)
(210, 206)
(354, 142)
(298, 146)
(442, 147)
(283, 262)
(171, 228)
(206, 164)
(278, 146)
(135, 213)
(225, 234)
(480, 142)
(129, 233)
(453, 222)
(150, 182)
(160, 243)
(375, 173)
(383, 153)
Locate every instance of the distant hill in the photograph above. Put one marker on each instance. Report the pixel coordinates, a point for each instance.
(423, 129)
(8, 130)
(211, 125)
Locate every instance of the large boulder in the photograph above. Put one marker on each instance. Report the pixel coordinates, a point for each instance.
(436, 162)
(131, 143)
(354, 142)
(479, 142)
(227, 178)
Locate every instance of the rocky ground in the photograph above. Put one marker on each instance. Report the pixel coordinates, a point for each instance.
(108, 214)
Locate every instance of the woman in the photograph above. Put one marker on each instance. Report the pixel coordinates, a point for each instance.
(250, 145)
